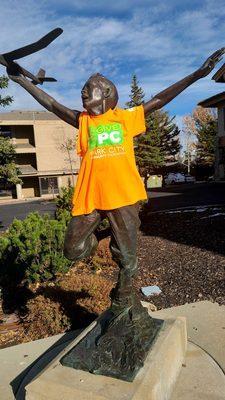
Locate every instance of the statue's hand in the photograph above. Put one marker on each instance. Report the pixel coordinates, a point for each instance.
(14, 71)
(211, 62)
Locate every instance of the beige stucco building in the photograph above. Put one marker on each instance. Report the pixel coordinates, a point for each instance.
(218, 101)
(45, 151)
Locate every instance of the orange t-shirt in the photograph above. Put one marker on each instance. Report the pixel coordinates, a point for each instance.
(108, 176)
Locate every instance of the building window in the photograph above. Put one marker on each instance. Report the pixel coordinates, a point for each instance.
(5, 131)
(49, 185)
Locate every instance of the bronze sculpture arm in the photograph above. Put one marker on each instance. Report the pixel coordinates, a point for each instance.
(48, 102)
(164, 97)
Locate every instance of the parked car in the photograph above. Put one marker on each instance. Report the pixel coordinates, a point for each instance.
(189, 178)
(172, 178)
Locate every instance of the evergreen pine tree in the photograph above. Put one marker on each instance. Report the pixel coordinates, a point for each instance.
(160, 144)
(148, 153)
(8, 170)
(206, 134)
(4, 101)
(169, 134)
(137, 94)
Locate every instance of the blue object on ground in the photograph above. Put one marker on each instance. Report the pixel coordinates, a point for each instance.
(151, 290)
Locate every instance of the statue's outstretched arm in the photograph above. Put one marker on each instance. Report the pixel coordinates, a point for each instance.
(171, 92)
(48, 102)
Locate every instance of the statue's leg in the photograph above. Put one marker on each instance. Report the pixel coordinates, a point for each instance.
(119, 343)
(124, 223)
(80, 241)
(127, 330)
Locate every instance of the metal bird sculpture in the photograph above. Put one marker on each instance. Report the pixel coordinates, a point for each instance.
(7, 59)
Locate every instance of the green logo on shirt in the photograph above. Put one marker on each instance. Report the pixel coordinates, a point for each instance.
(105, 135)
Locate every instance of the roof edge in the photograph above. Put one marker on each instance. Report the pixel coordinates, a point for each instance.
(213, 101)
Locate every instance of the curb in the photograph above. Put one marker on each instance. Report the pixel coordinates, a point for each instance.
(28, 200)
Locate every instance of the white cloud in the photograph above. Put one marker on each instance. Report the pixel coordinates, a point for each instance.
(159, 46)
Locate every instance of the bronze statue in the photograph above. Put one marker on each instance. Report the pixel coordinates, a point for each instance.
(108, 186)
(7, 59)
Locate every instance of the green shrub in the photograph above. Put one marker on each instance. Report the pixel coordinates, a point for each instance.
(64, 203)
(63, 215)
(32, 250)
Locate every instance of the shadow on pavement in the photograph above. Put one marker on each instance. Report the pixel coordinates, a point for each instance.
(83, 316)
(22, 380)
(187, 195)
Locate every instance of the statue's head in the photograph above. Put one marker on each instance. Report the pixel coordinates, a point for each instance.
(99, 95)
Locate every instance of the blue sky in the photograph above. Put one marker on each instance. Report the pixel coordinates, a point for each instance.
(160, 43)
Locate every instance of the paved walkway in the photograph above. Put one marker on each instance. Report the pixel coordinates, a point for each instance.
(205, 326)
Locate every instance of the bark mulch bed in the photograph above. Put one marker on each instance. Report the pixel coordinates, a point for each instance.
(183, 252)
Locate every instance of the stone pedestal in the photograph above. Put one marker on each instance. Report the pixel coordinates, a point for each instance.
(154, 381)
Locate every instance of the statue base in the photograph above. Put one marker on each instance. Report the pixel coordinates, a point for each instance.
(155, 380)
(118, 345)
